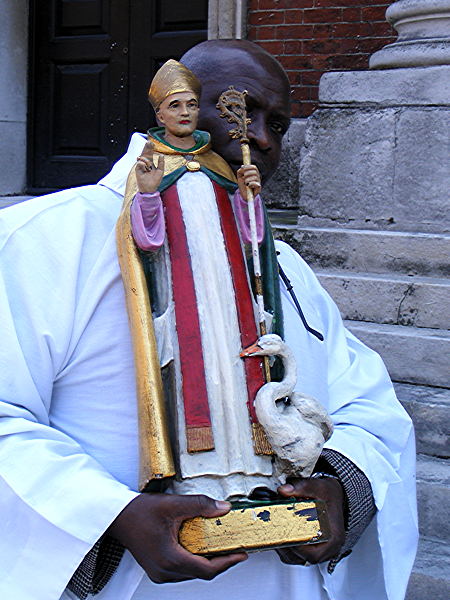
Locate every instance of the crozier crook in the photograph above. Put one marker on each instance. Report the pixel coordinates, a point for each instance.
(297, 429)
(232, 107)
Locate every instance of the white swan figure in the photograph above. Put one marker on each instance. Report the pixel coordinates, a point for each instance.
(296, 425)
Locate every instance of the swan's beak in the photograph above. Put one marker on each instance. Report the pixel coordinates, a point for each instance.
(250, 350)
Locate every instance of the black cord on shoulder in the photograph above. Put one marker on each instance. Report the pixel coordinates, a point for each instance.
(290, 289)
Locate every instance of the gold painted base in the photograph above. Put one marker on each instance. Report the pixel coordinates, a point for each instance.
(254, 525)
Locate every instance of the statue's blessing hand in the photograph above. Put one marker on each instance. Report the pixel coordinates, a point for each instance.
(149, 176)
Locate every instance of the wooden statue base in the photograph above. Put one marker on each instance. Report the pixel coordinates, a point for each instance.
(257, 525)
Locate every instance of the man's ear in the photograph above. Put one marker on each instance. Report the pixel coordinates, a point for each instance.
(159, 117)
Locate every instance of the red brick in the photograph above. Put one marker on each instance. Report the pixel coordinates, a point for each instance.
(325, 15)
(266, 17)
(299, 94)
(297, 3)
(373, 13)
(273, 47)
(368, 45)
(293, 46)
(320, 62)
(311, 92)
(382, 29)
(351, 15)
(329, 46)
(298, 62)
(266, 32)
(294, 78)
(307, 108)
(293, 16)
(293, 32)
(310, 77)
(344, 30)
(322, 31)
(298, 32)
(378, 44)
(269, 4)
(335, 3)
(295, 94)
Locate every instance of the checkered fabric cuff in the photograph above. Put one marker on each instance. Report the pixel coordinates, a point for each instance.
(97, 568)
(360, 506)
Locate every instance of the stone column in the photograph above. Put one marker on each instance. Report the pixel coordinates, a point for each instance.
(13, 95)
(423, 35)
(227, 19)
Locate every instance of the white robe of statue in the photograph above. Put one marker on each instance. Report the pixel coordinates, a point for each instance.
(232, 469)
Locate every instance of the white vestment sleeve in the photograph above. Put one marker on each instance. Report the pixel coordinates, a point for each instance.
(55, 500)
(374, 432)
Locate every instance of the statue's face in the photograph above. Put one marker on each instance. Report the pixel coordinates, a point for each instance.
(178, 113)
(268, 107)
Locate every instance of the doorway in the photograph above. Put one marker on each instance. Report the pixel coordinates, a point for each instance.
(90, 68)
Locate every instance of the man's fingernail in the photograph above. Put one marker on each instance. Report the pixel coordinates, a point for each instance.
(288, 488)
(222, 505)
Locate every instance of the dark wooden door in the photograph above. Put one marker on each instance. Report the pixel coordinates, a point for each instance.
(92, 62)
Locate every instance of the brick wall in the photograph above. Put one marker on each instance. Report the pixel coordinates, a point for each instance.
(310, 37)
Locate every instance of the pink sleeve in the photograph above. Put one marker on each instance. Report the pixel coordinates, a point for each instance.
(241, 212)
(147, 221)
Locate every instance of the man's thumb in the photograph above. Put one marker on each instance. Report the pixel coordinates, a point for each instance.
(204, 506)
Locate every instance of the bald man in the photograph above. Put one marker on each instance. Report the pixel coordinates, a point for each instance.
(218, 62)
(68, 434)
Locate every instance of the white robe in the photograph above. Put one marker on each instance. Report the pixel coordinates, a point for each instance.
(68, 427)
(237, 470)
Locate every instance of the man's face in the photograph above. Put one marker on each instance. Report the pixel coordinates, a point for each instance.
(267, 105)
(179, 113)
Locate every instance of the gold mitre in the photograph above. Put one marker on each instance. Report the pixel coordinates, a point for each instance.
(172, 78)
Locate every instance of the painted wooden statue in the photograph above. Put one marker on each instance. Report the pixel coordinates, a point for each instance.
(183, 237)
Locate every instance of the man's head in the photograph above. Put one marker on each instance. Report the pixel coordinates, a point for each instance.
(221, 63)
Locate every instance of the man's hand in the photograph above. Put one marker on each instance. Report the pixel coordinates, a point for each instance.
(248, 177)
(148, 528)
(329, 490)
(148, 176)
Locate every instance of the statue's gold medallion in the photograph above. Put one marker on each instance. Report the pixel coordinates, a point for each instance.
(193, 165)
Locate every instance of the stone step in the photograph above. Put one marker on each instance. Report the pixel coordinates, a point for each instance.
(433, 496)
(429, 408)
(412, 354)
(397, 300)
(366, 251)
(431, 573)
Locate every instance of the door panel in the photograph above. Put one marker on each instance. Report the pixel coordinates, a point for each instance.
(92, 62)
(78, 107)
(169, 29)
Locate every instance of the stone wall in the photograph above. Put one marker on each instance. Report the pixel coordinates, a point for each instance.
(373, 220)
(13, 95)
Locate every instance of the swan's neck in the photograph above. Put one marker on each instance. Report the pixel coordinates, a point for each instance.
(290, 372)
